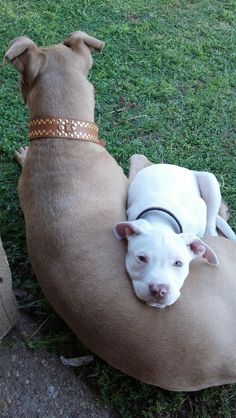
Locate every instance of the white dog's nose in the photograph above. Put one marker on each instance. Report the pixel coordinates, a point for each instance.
(158, 290)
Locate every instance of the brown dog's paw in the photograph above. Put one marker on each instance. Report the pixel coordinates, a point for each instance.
(20, 155)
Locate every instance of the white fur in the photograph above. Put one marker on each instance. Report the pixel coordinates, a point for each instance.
(158, 255)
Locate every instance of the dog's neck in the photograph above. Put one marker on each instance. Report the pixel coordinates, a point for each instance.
(74, 103)
(162, 221)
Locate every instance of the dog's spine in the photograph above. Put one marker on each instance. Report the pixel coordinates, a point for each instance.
(225, 228)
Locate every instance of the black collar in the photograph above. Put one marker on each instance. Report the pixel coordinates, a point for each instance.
(162, 210)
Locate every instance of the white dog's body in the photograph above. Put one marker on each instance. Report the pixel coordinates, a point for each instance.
(161, 245)
(157, 185)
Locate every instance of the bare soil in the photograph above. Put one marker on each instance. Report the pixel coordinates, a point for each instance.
(37, 385)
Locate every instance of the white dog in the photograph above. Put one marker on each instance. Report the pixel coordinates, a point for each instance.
(169, 209)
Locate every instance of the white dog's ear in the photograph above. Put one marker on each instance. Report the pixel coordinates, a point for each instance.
(129, 229)
(75, 39)
(199, 248)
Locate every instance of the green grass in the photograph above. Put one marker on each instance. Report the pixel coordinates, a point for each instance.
(165, 87)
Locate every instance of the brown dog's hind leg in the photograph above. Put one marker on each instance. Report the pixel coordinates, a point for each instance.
(20, 155)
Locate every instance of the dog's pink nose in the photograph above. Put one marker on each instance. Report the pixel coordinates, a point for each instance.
(158, 290)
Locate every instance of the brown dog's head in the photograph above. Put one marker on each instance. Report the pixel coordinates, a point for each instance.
(51, 67)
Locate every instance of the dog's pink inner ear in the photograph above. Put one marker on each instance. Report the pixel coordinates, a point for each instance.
(123, 229)
(129, 231)
(199, 248)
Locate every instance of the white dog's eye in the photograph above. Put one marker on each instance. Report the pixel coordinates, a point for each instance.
(178, 263)
(142, 258)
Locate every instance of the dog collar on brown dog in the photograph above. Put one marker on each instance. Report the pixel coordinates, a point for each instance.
(64, 128)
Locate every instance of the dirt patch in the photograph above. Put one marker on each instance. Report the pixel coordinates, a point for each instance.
(37, 385)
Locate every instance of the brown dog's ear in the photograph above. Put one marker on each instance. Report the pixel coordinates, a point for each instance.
(23, 52)
(28, 59)
(75, 39)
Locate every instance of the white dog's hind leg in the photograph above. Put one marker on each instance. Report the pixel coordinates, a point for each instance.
(210, 192)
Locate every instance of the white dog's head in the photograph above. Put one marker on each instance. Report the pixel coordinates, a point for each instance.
(158, 261)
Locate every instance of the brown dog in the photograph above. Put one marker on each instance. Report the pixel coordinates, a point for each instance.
(72, 192)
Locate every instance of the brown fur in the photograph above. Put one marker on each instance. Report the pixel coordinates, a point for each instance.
(72, 194)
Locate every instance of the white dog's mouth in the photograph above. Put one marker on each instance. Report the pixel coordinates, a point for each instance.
(156, 305)
(155, 302)
(155, 295)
